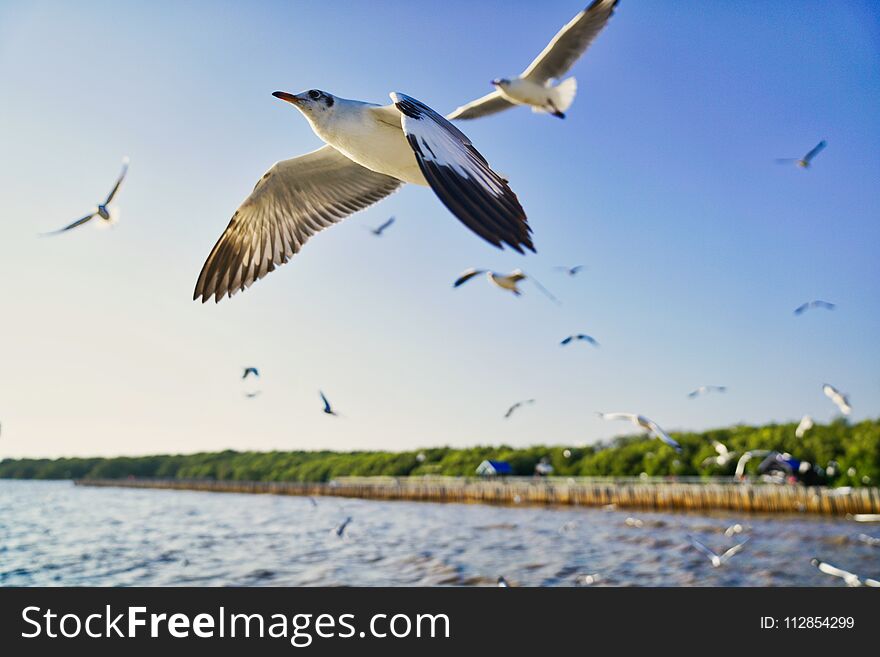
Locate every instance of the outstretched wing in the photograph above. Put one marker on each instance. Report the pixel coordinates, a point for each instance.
(662, 435)
(570, 42)
(381, 228)
(118, 181)
(291, 202)
(702, 548)
(327, 407)
(734, 550)
(78, 222)
(818, 148)
(488, 104)
(467, 275)
(461, 177)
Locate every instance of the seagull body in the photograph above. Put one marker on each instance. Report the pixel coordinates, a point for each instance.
(645, 423)
(805, 161)
(102, 210)
(534, 86)
(381, 229)
(580, 337)
(371, 151)
(817, 303)
(703, 390)
(724, 457)
(840, 399)
(516, 406)
(250, 370)
(851, 579)
(509, 282)
(718, 559)
(327, 408)
(803, 426)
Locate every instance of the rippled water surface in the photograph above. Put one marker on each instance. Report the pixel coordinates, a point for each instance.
(53, 533)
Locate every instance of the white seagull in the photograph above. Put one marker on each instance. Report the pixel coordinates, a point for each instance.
(508, 282)
(851, 579)
(724, 457)
(840, 399)
(803, 426)
(580, 337)
(805, 161)
(702, 390)
(371, 151)
(817, 303)
(534, 86)
(516, 406)
(103, 211)
(718, 559)
(645, 423)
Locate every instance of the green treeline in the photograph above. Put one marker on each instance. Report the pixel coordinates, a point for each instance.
(855, 447)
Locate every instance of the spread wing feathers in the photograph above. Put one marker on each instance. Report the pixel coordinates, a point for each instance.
(734, 550)
(467, 275)
(78, 222)
(816, 150)
(655, 428)
(570, 42)
(702, 548)
(488, 104)
(292, 201)
(118, 182)
(461, 177)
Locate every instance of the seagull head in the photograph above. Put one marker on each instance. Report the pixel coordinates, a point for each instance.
(314, 103)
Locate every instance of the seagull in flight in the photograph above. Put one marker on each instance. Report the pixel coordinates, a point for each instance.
(703, 390)
(645, 423)
(724, 457)
(851, 579)
(370, 151)
(250, 370)
(580, 336)
(805, 161)
(341, 528)
(102, 211)
(840, 399)
(571, 271)
(381, 229)
(534, 86)
(255, 393)
(327, 408)
(805, 425)
(809, 305)
(516, 406)
(718, 559)
(508, 282)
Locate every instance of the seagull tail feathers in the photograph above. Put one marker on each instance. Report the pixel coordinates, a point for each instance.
(564, 93)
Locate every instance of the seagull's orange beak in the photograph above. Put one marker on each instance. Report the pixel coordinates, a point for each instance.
(283, 95)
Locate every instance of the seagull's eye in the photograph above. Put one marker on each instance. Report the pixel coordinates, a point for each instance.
(314, 94)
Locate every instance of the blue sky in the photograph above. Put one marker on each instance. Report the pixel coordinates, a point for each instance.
(661, 181)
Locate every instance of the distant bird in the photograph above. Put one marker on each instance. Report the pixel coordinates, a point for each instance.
(718, 559)
(634, 522)
(745, 458)
(371, 151)
(508, 282)
(851, 579)
(255, 393)
(103, 210)
(724, 455)
(571, 271)
(381, 229)
(516, 406)
(580, 336)
(734, 529)
(645, 423)
(327, 408)
(873, 541)
(503, 582)
(313, 501)
(250, 370)
(817, 303)
(703, 390)
(533, 87)
(840, 399)
(341, 528)
(805, 161)
(587, 579)
(803, 426)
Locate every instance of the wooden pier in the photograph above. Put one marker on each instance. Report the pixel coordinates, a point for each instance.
(662, 495)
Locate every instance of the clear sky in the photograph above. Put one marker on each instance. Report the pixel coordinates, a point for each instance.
(661, 181)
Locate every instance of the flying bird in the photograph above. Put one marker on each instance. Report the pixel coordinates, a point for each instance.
(724, 457)
(571, 271)
(735, 528)
(703, 390)
(580, 336)
(809, 305)
(370, 152)
(503, 582)
(102, 211)
(534, 86)
(805, 161)
(645, 423)
(851, 579)
(508, 282)
(516, 406)
(250, 370)
(718, 559)
(341, 528)
(803, 426)
(381, 229)
(840, 399)
(327, 408)
(873, 541)
(255, 393)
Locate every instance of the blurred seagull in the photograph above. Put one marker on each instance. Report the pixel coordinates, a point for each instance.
(724, 455)
(873, 541)
(840, 400)
(533, 87)
(371, 151)
(645, 423)
(255, 393)
(250, 370)
(571, 271)
(851, 579)
(804, 162)
(809, 305)
(503, 582)
(718, 559)
(734, 529)
(805, 425)
(866, 517)
(327, 408)
(341, 528)
(702, 390)
(504, 281)
(516, 406)
(381, 229)
(580, 336)
(587, 579)
(103, 210)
